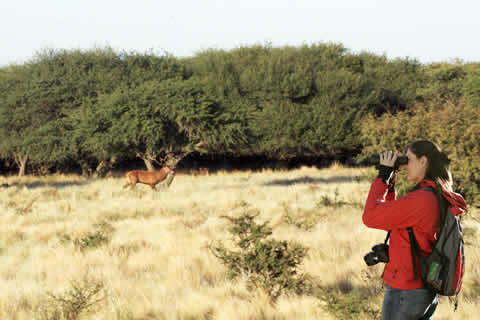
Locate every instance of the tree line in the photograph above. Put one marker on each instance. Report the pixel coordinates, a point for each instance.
(92, 109)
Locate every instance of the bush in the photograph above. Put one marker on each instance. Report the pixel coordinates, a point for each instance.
(471, 89)
(454, 127)
(267, 263)
(91, 240)
(442, 83)
(70, 305)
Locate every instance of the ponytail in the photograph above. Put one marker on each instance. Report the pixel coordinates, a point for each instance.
(437, 171)
(438, 163)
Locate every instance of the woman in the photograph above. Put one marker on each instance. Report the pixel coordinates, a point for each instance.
(405, 297)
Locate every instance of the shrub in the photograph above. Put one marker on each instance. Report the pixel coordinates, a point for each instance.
(25, 208)
(350, 306)
(267, 263)
(78, 300)
(91, 240)
(327, 201)
(304, 219)
(454, 127)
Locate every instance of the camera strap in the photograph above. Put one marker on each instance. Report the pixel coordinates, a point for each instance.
(387, 237)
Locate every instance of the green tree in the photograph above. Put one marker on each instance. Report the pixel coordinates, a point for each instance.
(307, 100)
(454, 127)
(471, 88)
(70, 81)
(169, 119)
(28, 108)
(443, 82)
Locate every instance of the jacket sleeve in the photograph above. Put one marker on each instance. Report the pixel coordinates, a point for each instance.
(390, 196)
(412, 209)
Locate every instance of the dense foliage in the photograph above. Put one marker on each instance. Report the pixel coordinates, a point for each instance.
(93, 109)
(454, 127)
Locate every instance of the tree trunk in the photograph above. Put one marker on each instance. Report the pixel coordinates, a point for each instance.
(174, 158)
(21, 161)
(104, 167)
(148, 164)
(101, 169)
(86, 170)
(22, 168)
(169, 180)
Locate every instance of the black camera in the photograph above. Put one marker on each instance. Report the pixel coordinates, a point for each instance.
(401, 160)
(378, 254)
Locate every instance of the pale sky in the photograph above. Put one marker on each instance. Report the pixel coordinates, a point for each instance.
(427, 30)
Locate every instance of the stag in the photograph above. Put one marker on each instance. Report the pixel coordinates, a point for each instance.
(151, 178)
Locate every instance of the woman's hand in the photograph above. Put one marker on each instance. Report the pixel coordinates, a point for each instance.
(388, 158)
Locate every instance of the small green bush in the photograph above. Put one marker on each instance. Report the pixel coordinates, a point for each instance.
(23, 209)
(350, 306)
(91, 240)
(94, 239)
(327, 201)
(304, 219)
(73, 303)
(267, 263)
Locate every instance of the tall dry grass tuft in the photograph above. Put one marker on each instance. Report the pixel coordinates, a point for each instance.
(148, 251)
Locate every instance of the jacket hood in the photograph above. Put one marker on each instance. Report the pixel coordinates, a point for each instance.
(456, 201)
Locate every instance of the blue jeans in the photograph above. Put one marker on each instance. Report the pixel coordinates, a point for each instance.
(418, 304)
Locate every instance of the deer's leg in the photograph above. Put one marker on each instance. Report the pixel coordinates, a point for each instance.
(130, 182)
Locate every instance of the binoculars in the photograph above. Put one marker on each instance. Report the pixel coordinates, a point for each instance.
(401, 160)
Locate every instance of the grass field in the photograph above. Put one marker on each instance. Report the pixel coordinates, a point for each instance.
(91, 250)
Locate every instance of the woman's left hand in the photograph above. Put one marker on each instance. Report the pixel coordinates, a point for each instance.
(388, 158)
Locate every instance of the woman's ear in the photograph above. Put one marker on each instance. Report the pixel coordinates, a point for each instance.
(424, 161)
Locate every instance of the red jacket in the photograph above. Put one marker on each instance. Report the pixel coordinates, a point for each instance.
(419, 210)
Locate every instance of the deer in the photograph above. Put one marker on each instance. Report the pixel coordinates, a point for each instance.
(151, 178)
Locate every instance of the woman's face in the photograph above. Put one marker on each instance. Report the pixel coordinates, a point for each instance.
(416, 167)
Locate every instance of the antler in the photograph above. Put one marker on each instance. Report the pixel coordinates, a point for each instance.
(152, 157)
(162, 161)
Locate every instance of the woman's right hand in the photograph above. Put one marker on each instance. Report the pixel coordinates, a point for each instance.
(388, 158)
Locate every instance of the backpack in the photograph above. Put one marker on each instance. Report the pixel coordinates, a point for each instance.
(443, 270)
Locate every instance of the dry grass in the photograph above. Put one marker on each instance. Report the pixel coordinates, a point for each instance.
(148, 250)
